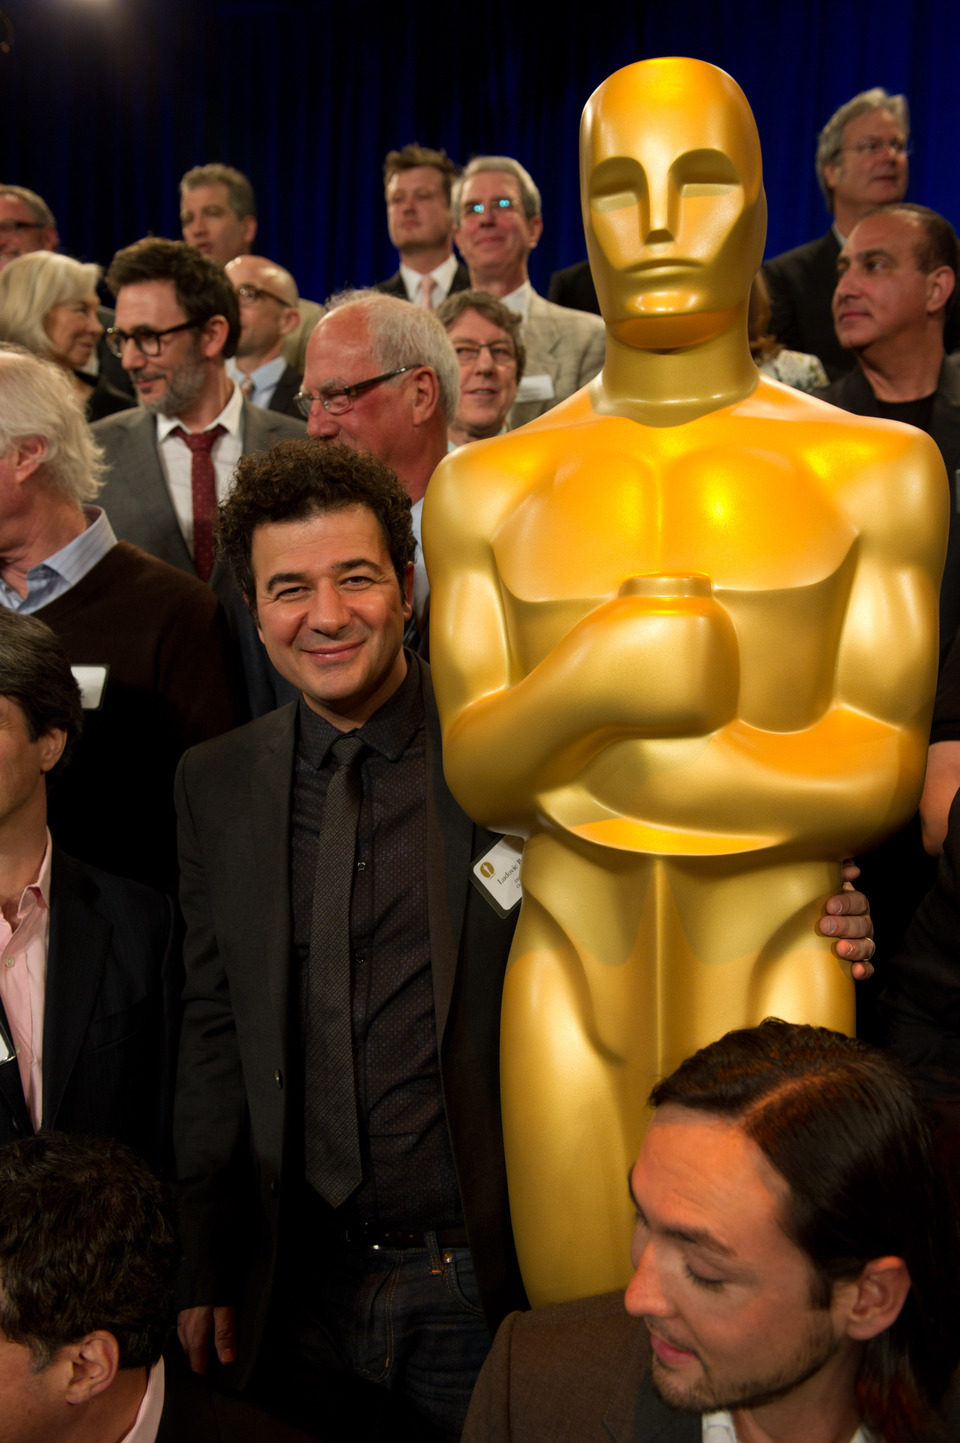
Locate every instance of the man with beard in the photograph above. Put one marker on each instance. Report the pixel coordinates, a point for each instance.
(795, 1267)
(172, 460)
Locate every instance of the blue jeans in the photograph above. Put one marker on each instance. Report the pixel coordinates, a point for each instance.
(371, 1343)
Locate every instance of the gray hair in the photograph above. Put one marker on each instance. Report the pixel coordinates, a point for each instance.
(505, 163)
(406, 335)
(30, 287)
(240, 196)
(37, 398)
(35, 204)
(830, 139)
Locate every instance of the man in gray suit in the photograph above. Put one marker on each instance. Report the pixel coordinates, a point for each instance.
(172, 460)
(796, 1267)
(496, 211)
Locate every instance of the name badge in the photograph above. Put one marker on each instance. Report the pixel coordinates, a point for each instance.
(496, 875)
(92, 681)
(536, 388)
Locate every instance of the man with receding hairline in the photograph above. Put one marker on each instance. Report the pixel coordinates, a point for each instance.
(268, 315)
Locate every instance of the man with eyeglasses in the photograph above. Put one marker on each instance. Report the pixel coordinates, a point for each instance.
(497, 218)
(26, 223)
(381, 376)
(486, 338)
(173, 458)
(417, 185)
(268, 315)
(861, 163)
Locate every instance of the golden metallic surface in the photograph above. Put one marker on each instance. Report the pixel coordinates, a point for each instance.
(683, 637)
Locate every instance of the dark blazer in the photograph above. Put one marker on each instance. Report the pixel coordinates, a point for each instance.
(574, 1373)
(853, 393)
(110, 1014)
(573, 287)
(135, 494)
(286, 388)
(801, 284)
(394, 286)
(233, 804)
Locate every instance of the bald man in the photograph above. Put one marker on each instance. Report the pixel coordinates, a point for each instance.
(268, 315)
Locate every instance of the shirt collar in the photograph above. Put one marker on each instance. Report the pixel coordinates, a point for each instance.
(230, 418)
(720, 1428)
(266, 375)
(147, 1421)
(443, 274)
(519, 300)
(98, 538)
(37, 892)
(389, 731)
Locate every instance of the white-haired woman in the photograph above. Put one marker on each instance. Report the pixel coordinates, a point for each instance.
(48, 305)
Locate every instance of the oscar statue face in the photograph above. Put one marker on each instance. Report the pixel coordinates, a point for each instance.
(674, 209)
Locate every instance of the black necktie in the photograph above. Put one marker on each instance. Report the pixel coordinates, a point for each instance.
(330, 1102)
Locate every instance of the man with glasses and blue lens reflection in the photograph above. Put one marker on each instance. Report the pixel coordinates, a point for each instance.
(861, 163)
(381, 376)
(496, 212)
(268, 315)
(173, 458)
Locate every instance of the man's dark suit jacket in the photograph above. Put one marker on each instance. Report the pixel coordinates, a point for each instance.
(573, 287)
(136, 499)
(394, 285)
(286, 388)
(233, 805)
(801, 284)
(574, 1373)
(853, 393)
(110, 1014)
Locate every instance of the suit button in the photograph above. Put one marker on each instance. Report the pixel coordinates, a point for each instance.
(274, 1187)
(278, 1077)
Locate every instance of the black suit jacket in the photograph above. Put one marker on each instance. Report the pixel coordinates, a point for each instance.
(574, 1373)
(573, 287)
(853, 393)
(233, 804)
(801, 284)
(394, 286)
(110, 1014)
(286, 388)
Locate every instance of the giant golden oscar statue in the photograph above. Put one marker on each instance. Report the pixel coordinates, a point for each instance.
(684, 640)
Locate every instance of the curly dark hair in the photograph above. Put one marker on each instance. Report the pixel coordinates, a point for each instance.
(200, 284)
(86, 1242)
(297, 479)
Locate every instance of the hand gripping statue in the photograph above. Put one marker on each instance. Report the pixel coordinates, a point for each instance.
(684, 640)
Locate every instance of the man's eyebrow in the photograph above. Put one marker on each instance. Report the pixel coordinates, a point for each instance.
(873, 252)
(698, 1237)
(285, 578)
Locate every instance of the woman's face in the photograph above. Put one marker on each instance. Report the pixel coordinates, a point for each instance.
(74, 330)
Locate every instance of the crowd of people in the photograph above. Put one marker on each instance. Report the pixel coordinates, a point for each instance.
(249, 935)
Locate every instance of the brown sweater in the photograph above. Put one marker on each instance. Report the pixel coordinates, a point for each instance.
(171, 682)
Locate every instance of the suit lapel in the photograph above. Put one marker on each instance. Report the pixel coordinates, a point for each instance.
(76, 956)
(155, 513)
(271, 776)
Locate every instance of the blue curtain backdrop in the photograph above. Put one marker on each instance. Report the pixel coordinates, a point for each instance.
(107, 102)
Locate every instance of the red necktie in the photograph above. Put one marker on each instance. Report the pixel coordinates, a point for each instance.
(203, 489)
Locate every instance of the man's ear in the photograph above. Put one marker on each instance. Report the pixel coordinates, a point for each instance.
(94, 1361)
(871, 1303)
(248, 228)
(52, 744)
(31, 452)
(940, 287)
(426, 394)
(213, 336)
(289, 321)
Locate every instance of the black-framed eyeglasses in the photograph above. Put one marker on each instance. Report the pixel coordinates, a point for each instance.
(147, 342)
(479, 207)
(247, 292)
(9, 227)
(336, 402)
